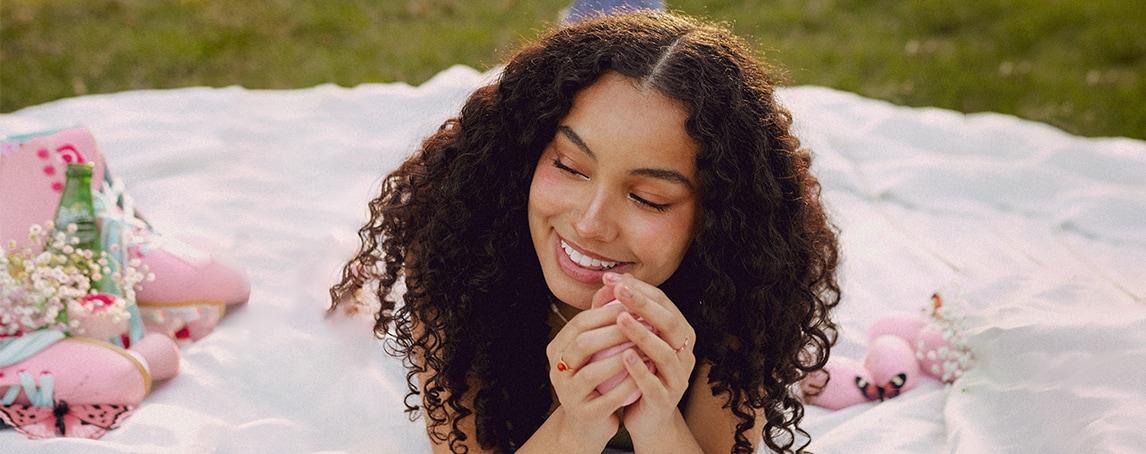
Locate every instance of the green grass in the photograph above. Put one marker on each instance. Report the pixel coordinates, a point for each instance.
(1079, 65)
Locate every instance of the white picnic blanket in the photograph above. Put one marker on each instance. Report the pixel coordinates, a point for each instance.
(1042, 235)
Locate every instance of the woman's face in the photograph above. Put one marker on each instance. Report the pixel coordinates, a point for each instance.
(615, 190)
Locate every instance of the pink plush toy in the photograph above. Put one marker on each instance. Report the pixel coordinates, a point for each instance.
(902, 350)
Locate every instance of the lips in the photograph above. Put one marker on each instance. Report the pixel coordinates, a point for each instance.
(584, 260)
(569, 261)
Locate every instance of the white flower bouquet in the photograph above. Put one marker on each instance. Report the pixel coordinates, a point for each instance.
(53, 285)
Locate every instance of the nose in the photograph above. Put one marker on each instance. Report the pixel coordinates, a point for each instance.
(597, 220)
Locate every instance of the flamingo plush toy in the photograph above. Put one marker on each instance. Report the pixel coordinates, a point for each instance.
(902, 350)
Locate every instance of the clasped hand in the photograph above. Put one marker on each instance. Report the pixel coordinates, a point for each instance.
(658, 364)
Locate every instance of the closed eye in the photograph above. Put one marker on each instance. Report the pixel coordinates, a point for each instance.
(564, 168)
(655, 206)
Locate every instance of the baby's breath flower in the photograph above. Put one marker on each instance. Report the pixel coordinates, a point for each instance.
(39, 283)
(956, 357)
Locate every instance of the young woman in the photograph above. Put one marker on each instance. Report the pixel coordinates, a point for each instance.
(639, 158)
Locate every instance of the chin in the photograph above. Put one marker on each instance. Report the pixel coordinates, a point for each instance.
(576, 294)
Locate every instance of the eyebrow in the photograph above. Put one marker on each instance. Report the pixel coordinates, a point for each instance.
(662, 174)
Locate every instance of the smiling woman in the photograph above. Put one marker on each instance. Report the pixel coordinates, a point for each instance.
(617, 185)
(639, 159)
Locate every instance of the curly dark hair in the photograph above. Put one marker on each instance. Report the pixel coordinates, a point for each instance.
(757, 284)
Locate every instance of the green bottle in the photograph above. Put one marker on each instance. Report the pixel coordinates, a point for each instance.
(76, 207)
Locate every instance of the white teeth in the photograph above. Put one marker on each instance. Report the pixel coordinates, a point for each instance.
(584, 260)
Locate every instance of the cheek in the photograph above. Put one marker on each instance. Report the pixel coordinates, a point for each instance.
(544, 194)
(664, 241)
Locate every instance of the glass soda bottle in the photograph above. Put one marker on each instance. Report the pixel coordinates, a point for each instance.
(76, 207)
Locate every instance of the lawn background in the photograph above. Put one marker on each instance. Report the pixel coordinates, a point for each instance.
(1078, 65)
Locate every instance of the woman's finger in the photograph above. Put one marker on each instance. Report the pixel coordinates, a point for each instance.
(600, 342)
(674, 362)
(653, 307)
(648, 382)
(585, 321)
(580, 385)
(603, 296)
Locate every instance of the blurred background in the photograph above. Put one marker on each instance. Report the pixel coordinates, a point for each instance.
(1078, 65)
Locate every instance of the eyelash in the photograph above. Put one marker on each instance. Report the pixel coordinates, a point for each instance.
(656, 206)
(564, 168)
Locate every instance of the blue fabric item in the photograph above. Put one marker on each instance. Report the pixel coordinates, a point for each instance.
(19, 138)
(39, 395)
(113, 226)
(10, 396)
(589, 8)
(18, 349)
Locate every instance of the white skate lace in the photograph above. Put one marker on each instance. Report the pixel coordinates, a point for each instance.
(124, 227)
(38, 395)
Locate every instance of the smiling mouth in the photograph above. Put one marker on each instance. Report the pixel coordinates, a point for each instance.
(584, 260)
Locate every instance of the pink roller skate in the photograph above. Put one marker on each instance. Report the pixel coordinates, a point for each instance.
(77, 387)
(191, 289)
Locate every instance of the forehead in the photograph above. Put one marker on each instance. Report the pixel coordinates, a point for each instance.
(615, 116)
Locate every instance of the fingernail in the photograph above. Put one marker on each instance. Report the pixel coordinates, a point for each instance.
(612, 278)
(624, 291)
(631, 356)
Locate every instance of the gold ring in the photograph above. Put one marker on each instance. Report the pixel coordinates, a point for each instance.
(563, 366)
(678, 349)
